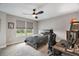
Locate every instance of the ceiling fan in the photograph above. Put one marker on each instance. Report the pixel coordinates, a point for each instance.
(35, 14)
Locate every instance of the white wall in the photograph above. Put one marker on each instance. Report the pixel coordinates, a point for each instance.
(3, 30)
(0, 25)
(8, 36)
(11, 33)
(60, 24)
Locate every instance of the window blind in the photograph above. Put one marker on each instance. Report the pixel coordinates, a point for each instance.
(29, 25)
(20, 24)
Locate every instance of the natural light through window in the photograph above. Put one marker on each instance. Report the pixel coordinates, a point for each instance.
(23, 28)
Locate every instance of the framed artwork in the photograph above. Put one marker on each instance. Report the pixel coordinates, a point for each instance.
(10, 25)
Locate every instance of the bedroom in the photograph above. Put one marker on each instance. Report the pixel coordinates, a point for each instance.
(18, 22)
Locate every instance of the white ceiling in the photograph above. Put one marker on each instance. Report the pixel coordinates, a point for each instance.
(50, 9)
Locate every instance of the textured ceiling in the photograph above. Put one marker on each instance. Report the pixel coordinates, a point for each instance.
(50, 9)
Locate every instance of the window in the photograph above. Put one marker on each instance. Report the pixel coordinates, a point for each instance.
(29, 28)
(29, 32)
(20, 28)
(20, 32)
(23, 28)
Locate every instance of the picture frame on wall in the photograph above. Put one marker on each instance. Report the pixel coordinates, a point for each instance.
(10, 25)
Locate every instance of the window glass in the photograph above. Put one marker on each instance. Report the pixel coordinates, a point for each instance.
(20, 32)
(29, 32)
(23, 28)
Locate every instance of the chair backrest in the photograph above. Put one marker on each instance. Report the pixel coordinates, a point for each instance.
(72, 37)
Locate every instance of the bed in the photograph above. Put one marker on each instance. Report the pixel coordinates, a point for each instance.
(37, 40)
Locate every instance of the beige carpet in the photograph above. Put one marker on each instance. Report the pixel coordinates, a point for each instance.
(22, 49)
(43, 49)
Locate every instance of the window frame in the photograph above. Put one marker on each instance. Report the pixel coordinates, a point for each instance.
(25, 30)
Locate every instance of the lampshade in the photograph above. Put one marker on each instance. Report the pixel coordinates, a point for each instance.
(73, 20)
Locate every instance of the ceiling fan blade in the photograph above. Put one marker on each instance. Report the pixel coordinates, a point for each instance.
(40, 12)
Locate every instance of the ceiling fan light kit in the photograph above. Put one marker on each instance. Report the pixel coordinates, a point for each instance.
(35, 14)
(36, 17)
(34, 9)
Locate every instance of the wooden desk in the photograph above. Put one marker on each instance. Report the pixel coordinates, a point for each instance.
(60, 48)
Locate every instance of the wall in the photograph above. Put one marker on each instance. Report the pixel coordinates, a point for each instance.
(8, 36)
(60, 24)
(11, 33)
(3, 30)
(0, 25)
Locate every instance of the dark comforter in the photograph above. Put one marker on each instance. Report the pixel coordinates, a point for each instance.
(35, 41)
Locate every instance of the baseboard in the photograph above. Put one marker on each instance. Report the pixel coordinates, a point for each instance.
(14, 43)
(3, 46)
